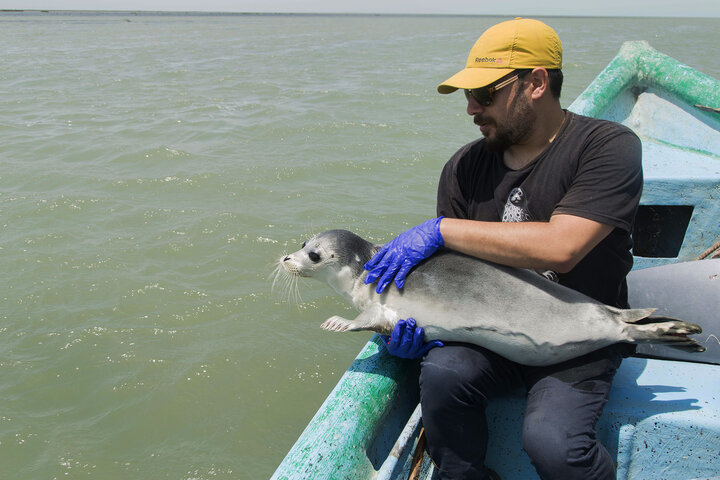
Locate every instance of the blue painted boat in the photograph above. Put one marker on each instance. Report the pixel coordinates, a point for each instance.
(663, 417)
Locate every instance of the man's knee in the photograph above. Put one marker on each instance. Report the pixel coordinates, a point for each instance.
(557, 454)
(547, 447)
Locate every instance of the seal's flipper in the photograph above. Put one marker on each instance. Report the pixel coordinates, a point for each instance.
(375, 318)
(339, 324)
(667, 331)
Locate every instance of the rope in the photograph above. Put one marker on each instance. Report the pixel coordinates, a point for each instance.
(712, 252)
(708, 109)
(417, 456)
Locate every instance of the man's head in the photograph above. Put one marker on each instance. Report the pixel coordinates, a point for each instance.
(509, 123)
(508, 46)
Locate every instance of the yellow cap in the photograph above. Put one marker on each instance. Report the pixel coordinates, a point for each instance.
(502, 48)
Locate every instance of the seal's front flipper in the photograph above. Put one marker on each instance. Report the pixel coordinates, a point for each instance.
(340, 324)
(375, 318)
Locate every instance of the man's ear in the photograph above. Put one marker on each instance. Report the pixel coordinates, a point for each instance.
(540, 81)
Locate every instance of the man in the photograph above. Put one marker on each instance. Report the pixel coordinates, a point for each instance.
(547, 190)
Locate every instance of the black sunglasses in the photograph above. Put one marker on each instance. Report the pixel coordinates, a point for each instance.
(484, 95)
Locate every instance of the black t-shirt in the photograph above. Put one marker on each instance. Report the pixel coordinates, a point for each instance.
(593, 170)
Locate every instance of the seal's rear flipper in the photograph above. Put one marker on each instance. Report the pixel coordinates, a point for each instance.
(688, 290)
(666, 331)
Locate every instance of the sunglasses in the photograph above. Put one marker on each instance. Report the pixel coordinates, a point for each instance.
(484, 95)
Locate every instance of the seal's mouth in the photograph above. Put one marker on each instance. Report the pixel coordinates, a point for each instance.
(287, 274)
(292, 267)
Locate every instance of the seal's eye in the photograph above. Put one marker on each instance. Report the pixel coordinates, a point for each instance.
(314, 257)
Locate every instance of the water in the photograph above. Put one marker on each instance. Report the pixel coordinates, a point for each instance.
(152, 171)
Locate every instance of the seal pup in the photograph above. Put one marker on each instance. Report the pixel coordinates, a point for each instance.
(454, 297)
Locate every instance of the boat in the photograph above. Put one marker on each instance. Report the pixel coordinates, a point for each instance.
(662, 420)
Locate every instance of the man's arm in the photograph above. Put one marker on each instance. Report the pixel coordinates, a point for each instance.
(556, 245)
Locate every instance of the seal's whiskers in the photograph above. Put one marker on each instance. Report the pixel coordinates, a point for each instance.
(289, 283)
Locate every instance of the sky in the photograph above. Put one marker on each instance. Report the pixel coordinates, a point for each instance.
(665, 8)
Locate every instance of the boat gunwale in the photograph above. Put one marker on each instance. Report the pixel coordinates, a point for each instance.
(638, 64)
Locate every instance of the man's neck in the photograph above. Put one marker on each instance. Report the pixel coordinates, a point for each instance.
(547, 127)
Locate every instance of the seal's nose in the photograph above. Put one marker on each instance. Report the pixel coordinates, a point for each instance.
(286, 259)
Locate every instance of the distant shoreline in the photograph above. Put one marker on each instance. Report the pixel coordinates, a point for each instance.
(151, 13)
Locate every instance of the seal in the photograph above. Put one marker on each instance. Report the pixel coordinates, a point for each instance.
(514, 312)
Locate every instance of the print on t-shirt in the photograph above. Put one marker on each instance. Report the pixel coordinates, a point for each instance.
(516, 207)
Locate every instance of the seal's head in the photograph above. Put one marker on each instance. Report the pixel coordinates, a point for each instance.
(328, 253)
(335, 256)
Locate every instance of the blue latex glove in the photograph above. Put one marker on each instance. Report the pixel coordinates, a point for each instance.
(408, 341)
(397, 257)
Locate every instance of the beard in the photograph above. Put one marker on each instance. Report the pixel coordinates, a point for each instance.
(518, 124)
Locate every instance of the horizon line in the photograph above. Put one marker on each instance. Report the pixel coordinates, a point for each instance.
(374, 14)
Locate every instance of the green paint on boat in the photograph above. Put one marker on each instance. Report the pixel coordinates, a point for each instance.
(352, 433)
(637, 64)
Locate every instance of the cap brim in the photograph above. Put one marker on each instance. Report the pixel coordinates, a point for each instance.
(472, 78)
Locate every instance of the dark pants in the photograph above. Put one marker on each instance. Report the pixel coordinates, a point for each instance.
(564, 402)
